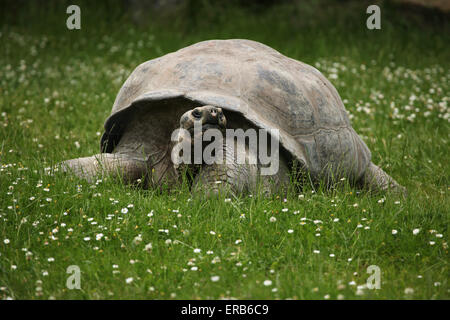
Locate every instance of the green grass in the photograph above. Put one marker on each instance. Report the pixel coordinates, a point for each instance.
(58, 86)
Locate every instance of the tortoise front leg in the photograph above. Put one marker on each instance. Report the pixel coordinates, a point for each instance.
(102, 164)
(235, 178)
(228, 177)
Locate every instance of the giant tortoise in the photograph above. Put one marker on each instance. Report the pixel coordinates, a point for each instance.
(231, 84)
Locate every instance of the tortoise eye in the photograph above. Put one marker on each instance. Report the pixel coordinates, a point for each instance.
(196, 114)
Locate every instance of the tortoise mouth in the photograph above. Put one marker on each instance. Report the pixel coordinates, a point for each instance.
(206, 126)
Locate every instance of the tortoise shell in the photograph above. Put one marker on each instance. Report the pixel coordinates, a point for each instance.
(270, 90)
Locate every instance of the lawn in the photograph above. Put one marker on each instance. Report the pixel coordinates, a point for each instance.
(57, 87)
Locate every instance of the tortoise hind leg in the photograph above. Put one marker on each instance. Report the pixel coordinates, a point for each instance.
(376, 179)
(101, 164)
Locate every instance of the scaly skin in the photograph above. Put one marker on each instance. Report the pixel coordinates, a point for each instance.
(137, 157)
(229, 176)
(107, 163)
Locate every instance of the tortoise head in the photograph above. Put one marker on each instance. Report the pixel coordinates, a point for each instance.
(206, 116)
(194, 125)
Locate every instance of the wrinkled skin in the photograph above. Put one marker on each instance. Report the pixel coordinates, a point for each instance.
(132, 163)
(229, 176)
